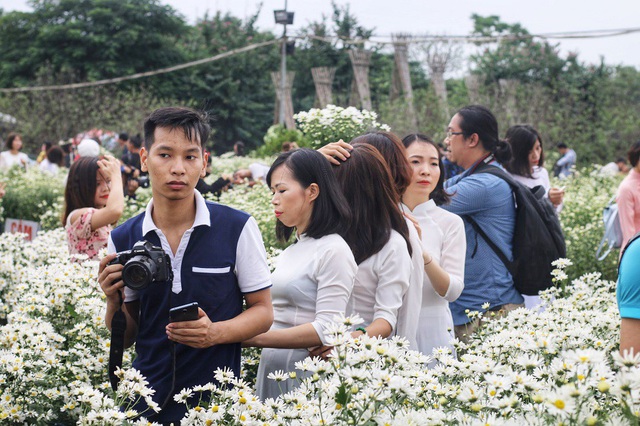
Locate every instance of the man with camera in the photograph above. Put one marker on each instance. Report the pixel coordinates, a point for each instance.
(195, 251)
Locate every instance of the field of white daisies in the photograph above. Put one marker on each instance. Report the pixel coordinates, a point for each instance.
(557, 366)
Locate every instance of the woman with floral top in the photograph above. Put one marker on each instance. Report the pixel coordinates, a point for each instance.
(94, 200)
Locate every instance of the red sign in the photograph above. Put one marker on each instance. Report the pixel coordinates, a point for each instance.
(28, 227)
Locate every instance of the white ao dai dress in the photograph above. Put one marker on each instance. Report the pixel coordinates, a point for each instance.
(312, 283)
(381, 282)
(444, 239)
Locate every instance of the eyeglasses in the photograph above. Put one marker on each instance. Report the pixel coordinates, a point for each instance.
(450, 133)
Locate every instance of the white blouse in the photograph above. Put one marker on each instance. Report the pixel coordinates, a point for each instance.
(8, 160)
(312, 283)
(409, 312)
(381, 282)
(443, 237)
(539, 177)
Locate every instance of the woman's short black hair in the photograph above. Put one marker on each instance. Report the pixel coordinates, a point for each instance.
(368, 186)
(10, 138)
(438, 195)
(522, 139)
(55, 155)
(330, 213)
(634, 154)
(481, 121)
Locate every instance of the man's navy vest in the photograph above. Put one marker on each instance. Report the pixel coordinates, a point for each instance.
(214, 249)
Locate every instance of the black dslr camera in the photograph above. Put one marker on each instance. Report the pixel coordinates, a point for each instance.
(143, 264)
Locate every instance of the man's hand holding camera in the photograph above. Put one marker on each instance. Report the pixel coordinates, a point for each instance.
(110, 280)
(111, 283)
(201, 333)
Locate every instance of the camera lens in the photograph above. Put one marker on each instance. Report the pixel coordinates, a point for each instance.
(138, 272)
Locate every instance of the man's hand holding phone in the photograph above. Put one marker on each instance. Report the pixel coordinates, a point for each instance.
(190, 325)
(188, 312)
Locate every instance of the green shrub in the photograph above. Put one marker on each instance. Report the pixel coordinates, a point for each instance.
(587, 193)
(31, 194)
(275, 136)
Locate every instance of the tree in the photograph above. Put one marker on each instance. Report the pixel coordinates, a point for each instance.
(60, 114)
(237, 91)
(516, 55)
(94, 39)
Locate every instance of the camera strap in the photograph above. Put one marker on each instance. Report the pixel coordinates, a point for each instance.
(116, 351)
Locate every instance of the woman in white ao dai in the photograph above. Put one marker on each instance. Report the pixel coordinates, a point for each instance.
(384, 274)
(314, 277)
(311, 284)
(443, 240)
(379, 238)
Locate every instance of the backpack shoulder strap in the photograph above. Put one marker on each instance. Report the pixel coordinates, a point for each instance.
(509, 265)
(606, 243)
(484, 167)
(635, 237)
(496, 171)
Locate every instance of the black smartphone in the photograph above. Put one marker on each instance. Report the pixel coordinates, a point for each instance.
(188, 312)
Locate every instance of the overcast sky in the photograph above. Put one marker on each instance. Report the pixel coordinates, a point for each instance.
(451, 17)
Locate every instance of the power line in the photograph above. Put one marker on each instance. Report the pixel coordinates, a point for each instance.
(410, 39)
(139, 75)
(429, 38)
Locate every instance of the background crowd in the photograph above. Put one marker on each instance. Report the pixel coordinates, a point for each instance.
(406, 261)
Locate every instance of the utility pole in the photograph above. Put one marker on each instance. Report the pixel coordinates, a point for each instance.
(283, 17)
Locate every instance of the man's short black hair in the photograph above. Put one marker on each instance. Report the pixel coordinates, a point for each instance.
(562, 145)
(123, 136)
(136, 141)
(193, 123)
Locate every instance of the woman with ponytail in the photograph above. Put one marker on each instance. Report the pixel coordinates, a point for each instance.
(473, 143)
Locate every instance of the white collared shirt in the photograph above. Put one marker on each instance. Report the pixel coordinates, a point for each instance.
(251, 264)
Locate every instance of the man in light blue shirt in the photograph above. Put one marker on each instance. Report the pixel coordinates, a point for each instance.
(563, 166)
(472, 139)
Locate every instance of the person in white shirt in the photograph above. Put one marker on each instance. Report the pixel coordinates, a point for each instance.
(527, 161)
(443, 243)
(53, 161)
(614, 168)
(394, 154)
(13, 156)
(526, 166)
(257, 172)
(313, 278)
(379, 238)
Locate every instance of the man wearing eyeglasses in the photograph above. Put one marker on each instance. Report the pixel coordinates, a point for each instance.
(473, 143)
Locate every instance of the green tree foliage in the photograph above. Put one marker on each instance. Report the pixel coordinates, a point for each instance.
(342, 32)
(516, 56)
(59, 114)
(326, 43)
(93, 39)
(237, 91)
(567, 100)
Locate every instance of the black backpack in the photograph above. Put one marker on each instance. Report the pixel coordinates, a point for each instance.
(537, 240)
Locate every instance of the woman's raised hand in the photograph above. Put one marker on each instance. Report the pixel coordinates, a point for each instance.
(109, 166)
(336, 152)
